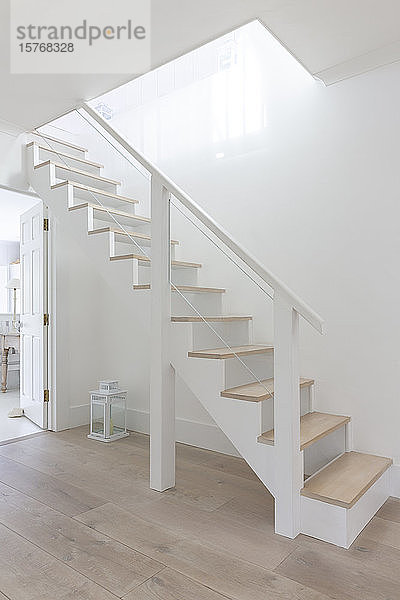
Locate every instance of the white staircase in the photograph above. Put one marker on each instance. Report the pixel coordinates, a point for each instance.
(252, 391)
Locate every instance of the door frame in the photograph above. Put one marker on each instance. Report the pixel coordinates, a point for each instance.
(51, 309)
(31, 370)
(50, 302)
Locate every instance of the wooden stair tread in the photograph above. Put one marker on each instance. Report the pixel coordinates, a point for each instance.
(112, 211)
(174, 263)
(313, 427)
(53, 139)
(77, 171)
(224, 353)
(345, 480)
(69, 156)
(134, 234)
(216, 319)
(184, 288)
(88, 188)
(256, 392)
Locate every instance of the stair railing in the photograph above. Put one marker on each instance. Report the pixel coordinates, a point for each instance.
(287, 309)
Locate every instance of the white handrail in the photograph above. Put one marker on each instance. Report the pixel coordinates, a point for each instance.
(274, 282)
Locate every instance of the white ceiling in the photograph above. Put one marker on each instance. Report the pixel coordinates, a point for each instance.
(334, 39)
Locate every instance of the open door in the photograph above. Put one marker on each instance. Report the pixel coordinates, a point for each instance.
(34, 315)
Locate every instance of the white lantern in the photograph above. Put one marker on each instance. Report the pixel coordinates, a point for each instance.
(109, 385)
(108, 412)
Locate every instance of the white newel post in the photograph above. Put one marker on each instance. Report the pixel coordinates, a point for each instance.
(289, 466)
(162, 380)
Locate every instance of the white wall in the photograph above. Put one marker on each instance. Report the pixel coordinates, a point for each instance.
(314, 195)
(12, 156)
(12, 205)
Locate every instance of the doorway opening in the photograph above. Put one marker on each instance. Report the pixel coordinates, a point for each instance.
(13, 205)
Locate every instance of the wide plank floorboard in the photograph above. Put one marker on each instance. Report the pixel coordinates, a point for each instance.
(390, 510)
(168, 585)
(29, 573)
(66, 498)
(367, 571)
(106, 562)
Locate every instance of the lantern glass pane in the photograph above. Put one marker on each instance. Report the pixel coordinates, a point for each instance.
(98, 418)
(117, 424)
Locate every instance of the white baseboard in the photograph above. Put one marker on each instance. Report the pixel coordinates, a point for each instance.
(138, 420)
(193, 433)
(204, 435)
(79, 415)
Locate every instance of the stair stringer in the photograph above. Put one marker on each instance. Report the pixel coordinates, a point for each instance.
(238, 420)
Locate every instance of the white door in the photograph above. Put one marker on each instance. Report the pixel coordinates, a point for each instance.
(34, 330)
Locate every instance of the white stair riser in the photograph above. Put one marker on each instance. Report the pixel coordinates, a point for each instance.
(209, 335)
(62, 174)
(324, 451)
(245, 369)
(104, 219)
(185, 276)
(80, 196)
(267, 418)
(133, 245)
(340, 526)
(125, 244)
(179, 275)
(125, 241)
(71, 162)
(204, 303)
(55, 145)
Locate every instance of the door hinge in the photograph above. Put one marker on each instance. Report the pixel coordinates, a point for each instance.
(46, 319)
(45, 224)
(46, 395)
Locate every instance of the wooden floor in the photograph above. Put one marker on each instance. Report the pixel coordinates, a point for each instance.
(78, 522)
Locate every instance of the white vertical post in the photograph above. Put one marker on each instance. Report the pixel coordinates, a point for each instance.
(289, 467)
(260, 418)
(162, 381)
(112, 243)
(348, 443)
(70, 196)
(311, 398)
(90, 216)
(36, 154)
